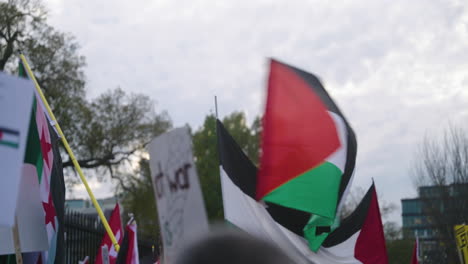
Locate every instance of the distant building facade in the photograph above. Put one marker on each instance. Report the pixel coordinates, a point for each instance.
(418, 215)
(86, 206)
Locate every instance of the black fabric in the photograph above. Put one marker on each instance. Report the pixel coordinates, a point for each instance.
(316, 86)
(123, 251)
(350, 162)
(57, 190)
(236, 164)
(353, 223)
(322, 229)
(8, 259)
(291, 219)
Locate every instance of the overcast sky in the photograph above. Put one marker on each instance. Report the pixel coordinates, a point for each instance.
(398, 69)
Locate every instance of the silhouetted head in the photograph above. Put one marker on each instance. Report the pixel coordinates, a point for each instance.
(231, 247)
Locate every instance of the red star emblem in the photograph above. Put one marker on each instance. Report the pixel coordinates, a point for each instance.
(45, 148)
(50, 213)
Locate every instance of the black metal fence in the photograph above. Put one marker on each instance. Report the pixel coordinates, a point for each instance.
(83, 235)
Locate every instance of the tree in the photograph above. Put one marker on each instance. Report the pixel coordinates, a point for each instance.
(104, 132)
(391, 230)
(441, 165)
(18, 20)
(138, 198)
(400, 250)
(136, 189)
(206, 155)
(114, 127)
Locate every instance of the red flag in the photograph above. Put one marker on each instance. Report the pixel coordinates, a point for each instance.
(132, 253)
(414, 259)
(360, 237)
(116, 227)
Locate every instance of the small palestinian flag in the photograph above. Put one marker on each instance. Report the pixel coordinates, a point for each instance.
(9, 137)
(360, 237)
(308, 151)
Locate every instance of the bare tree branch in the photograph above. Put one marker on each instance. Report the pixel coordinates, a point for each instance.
(442, 167)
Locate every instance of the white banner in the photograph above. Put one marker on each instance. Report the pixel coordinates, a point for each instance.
(182, 215)
(30, 215)
(16, 102)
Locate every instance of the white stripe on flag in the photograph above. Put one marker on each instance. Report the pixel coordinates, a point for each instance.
(9, 137)
(252, 217)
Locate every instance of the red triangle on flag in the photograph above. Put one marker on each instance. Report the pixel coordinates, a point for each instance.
(298, 131)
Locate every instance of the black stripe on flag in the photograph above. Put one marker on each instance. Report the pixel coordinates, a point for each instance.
(351, 224)
(9, 131)
(236, 164)
(291, 219)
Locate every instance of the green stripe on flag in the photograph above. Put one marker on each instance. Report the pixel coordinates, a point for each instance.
(39, 165)
(315, 191)
(22, 70)
(310, 230)
(33, 153)
(9, 144)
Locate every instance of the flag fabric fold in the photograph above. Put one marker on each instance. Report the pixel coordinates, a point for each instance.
(238, 183)
(308, 150)
(42, 155)
(282, 226)
(360, 237)
(414, 258)
(84, 261)
(128, 253)
(116, 227)
(132, 253)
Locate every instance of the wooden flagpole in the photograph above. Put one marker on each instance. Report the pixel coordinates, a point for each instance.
(16, 242)
(70, 153)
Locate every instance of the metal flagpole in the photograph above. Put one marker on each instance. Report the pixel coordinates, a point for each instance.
(70, 153)
(216, 107)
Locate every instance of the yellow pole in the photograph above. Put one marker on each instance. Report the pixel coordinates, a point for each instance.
(70, 153)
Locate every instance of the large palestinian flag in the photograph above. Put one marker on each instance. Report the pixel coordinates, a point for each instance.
(359, 239)
(238, 182)
(308, 150)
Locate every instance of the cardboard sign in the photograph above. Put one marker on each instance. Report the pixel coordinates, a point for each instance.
(182, 215)
(30, 216)
(16, 102)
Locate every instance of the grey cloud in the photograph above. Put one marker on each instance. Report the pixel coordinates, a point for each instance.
(398, 69)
